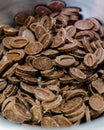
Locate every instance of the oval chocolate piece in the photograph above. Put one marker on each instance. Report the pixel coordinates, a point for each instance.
(6, 42)
(84, 24)
(49, 122)
(96, 102)
(71, 105)
(56, 5)
(71, 31)
(65, 60)
(68, 47)
(52, 104)
(77, 74)
(43, 94)
(90, 60)
(15, 54)
(62, 121)
(21, 17)
(69, 11)
(9, 30)
(39, 31)
(27, 34)
(18, 42)
(42, 10)
(98, 85)
(33, 48)
(42, 63)
(50, 52)
(46, 40)
(57, 41)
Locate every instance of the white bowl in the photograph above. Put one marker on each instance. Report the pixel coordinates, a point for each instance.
(90, 8)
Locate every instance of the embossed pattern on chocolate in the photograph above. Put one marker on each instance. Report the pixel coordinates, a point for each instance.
(52, 67)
